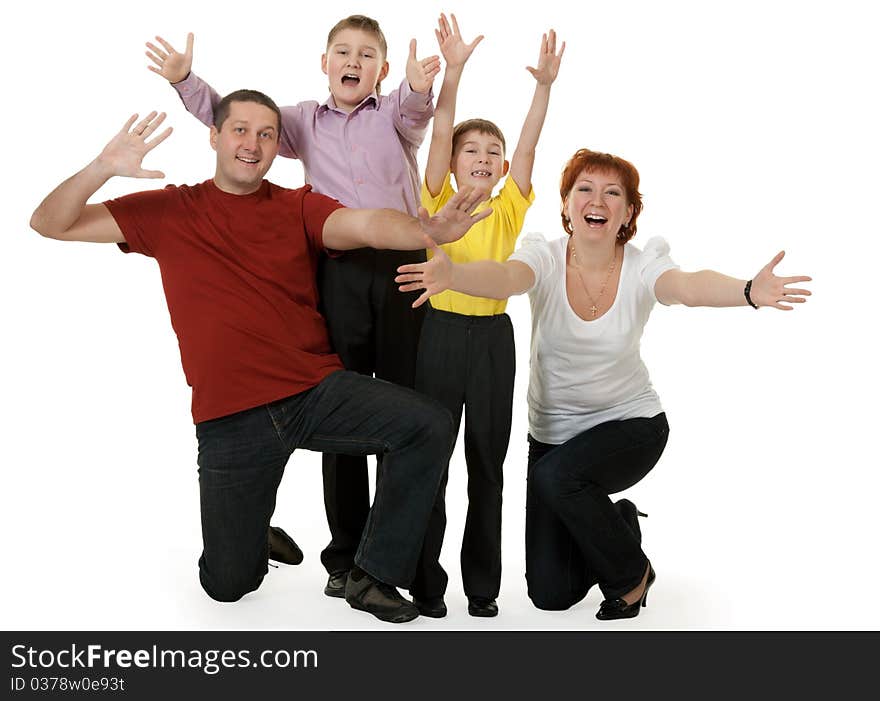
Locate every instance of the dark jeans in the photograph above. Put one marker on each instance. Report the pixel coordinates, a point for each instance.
(374, 329)
(469, 362)
(574, 535)
(242, 458)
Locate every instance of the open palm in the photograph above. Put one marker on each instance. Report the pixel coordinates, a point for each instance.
(548, 59)
(455, 51)
(171, 64)
(125, 153)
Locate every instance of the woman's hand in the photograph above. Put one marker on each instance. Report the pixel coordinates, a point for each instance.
(770, 290)
(433, 277)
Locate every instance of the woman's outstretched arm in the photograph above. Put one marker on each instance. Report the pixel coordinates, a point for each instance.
(707, 288)
(484, 278)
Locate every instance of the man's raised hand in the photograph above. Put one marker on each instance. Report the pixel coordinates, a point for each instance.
(455, 218)
(125, 152)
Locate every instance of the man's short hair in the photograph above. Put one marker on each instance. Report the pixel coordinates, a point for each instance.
(221, 111)
(483, 126)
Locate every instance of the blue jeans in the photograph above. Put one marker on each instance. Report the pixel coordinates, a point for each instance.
(575, 537)
(242, 458)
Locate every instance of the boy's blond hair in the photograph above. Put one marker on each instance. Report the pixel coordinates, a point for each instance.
(483, 126)
(365, 24)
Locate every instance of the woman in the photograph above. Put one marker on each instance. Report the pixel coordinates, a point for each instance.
(596, 425)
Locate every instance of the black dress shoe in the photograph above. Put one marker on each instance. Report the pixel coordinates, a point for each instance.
(336, 584)
(631, 514)
(612, 609)
(380, 599)
(482, 607)
(432, 607)
(282, 547)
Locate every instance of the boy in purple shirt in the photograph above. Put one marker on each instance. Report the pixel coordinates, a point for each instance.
(358, 147)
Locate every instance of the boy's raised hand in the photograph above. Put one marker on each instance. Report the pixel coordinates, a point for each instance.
(455, 51)
(420, 74)
(125, 152)
(548, 60)
(170, 64)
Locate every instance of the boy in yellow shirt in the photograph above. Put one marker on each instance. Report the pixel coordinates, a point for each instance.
(466, 351)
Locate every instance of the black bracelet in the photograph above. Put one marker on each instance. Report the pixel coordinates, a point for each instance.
(748, 296)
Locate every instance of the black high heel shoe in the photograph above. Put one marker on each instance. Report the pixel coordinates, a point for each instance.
(631, 514)
(283, 548)
(612, 609)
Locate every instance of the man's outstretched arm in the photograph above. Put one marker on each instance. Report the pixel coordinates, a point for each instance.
(65, 214)
(346, 229)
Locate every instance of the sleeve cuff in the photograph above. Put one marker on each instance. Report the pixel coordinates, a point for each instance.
(188, 85)
(415, 101)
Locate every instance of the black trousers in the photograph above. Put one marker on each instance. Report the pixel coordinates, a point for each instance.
(575, 537)
(242, 459)
(469, 362)
(375, 330)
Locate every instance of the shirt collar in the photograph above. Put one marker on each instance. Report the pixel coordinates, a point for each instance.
(330, 104)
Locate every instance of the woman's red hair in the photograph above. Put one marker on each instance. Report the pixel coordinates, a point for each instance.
(594, 162)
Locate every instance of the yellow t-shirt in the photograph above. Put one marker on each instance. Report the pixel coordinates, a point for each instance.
(494, 238)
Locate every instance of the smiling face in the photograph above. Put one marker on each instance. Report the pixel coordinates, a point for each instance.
(597, 206)
(478, 160)
(246, 145)
(354, 63)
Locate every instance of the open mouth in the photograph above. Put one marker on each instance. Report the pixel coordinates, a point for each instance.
(595, 219)
(350, 79)
(481, 174)
(248, 160)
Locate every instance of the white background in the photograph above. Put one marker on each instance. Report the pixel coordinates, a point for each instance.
(754, 126)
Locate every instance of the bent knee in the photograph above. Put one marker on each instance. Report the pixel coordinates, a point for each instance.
(228, 589)
(550, 601)
(548, 595)
(547, 482)
(438, 426)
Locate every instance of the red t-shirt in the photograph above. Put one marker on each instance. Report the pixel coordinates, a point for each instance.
(239, 273)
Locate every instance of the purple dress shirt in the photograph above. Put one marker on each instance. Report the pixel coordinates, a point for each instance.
(363, 159)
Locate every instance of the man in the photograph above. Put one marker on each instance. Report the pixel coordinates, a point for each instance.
(238, 257)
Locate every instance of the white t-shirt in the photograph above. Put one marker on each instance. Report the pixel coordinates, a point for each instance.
(584, 373)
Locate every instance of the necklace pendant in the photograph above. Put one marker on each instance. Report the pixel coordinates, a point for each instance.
(594, 309)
